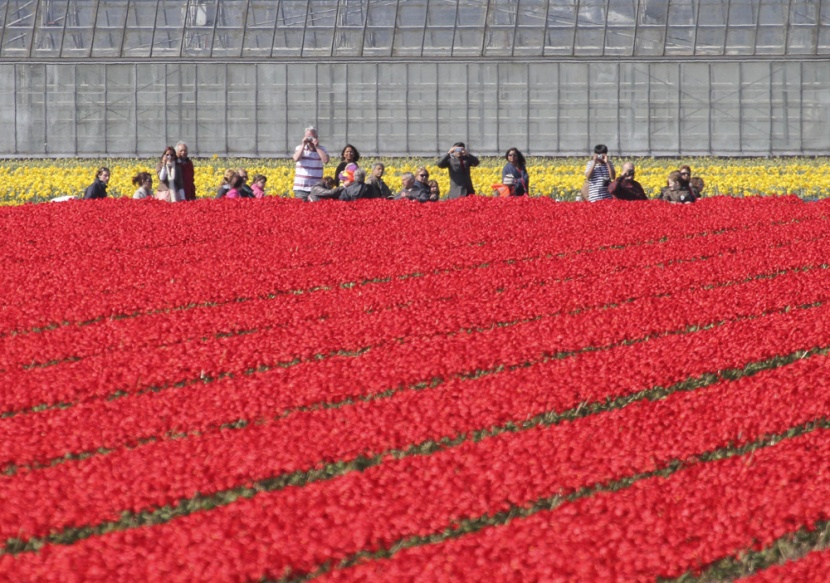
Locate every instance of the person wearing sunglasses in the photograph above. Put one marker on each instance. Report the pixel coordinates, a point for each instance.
(686, 180)
(422, 182)
(624, 187)
(516, 169)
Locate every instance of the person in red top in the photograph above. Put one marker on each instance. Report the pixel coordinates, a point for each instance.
(186, 166)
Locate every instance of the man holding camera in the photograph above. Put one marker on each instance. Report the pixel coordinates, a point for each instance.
(625, 187)
(458, 161)
(310, 157)
(599, 173)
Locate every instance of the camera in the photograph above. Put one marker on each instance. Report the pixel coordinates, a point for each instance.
(458, 150)
(606, 182)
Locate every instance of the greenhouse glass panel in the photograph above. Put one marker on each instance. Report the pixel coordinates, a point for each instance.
(167, 40)
(802, 40)
(109, 28)
(7, 111)
(412, 13)
(17, 33)
(211, 122)
(441, 13)
(694, 108)
(452, 104)
(603, 100)
(421, 106)
(772, 12)
(331, 103)
(348, 42)
(663, 100)
(472, 13)
(755, 108)
(60, 111)
(650, 41)
(770, 40)
(500, 26)
(408, 42)
(90, 108)
(77, 39)
(381, 13)
(180, 102)
(785, 110)
(378, 42)
(590, 28)
(573, 108)
(230, 28)
(259, 33)
(743, 12)
(710, 40)
(498, 41)
(543, 82)
(619, 41)
(438, 41)
(301, 101)
(271, 112)
(482, 133)
(288, 43)
(529, 41)
(532, 13)
(561, 27)
(30, 107)
(241, 101)
(803, 12)
(513, 109)
(199, 24)
(48, 34)
(633, 109)
(468, 41)
(393, 130)
(815, 106)
(318, 42)
(120, 113)
(619, 34)
(530, 34)
(151, 113)
(726, 109)
(360, 115)
(740, 40)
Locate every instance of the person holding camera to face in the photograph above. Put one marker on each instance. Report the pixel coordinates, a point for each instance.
(310, 157)
(599, 173)
(458, 162)
(624, 187)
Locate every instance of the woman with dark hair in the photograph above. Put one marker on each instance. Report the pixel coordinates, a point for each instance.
(686, 180)
(516, 168)
(98, 189)
(170, 175)
(144, 181)
(599, 173)
(349, 155)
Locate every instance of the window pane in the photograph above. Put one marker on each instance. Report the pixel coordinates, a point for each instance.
(711, 40)
(17, 36)
(109, 28)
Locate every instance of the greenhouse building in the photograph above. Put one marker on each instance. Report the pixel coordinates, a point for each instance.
(410, 77)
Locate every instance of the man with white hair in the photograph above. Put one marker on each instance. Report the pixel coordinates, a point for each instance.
(310, 157)
(354, 181)
(185, 164)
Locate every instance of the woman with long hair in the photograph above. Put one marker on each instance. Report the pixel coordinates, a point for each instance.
(516, 168)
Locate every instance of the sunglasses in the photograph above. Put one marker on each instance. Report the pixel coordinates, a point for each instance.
(423, 175)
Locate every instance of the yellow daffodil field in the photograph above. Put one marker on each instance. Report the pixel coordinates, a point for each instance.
(25, 181)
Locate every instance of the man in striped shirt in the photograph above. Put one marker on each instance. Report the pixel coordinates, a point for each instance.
(310, 157)
(599, 172)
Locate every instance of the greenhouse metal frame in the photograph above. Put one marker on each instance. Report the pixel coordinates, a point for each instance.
(410, 77)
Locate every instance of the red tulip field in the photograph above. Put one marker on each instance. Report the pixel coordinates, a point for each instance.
(474, 390)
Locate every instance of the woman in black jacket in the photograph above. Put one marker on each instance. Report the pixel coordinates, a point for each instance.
(98, 189)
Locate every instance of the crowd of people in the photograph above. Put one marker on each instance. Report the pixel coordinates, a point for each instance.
(175, 175)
